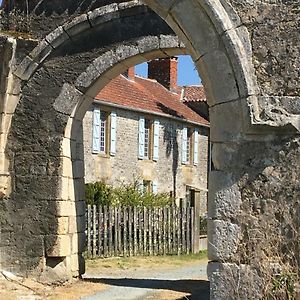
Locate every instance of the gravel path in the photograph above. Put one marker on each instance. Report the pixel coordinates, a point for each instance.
(187, 282)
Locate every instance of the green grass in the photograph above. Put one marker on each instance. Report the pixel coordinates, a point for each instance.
(146, 261)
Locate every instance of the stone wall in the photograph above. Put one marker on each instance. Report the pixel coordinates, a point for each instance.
(125, 166)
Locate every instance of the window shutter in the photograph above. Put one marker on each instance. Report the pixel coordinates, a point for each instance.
(184, 145)
(196, 147)
(113, 133)
(156, 140)
(141, 137)
(96, 130)
(140, 186)
(154, 187)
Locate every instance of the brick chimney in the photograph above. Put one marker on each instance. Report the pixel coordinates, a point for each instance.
(164, 71)
(130, 73)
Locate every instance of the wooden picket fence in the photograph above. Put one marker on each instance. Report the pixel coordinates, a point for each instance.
(131, 231)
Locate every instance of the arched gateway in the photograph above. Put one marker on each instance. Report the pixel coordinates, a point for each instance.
(49, 79)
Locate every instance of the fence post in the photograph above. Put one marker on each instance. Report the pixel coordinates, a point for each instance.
(89, 251)
(196, 229)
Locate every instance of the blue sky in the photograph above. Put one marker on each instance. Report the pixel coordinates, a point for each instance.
(187, 74)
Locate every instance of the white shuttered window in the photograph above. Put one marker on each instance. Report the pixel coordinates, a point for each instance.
(184, 145)
(155, 140)
(141, 137)
(113, 133)
(154, 187)
(196, 147)
(96, 130)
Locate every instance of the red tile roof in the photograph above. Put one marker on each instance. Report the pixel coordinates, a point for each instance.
(149, 95)
(194, 93)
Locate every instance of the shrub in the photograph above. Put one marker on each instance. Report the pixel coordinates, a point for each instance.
(99, 193)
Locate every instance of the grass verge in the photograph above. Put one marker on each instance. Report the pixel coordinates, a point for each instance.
(135, 262)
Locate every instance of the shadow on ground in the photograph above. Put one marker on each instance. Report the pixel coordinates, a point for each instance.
(198, 289)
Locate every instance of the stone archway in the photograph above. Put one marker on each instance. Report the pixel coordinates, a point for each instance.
(74, 64)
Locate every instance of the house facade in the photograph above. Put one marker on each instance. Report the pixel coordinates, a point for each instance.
(139, 129)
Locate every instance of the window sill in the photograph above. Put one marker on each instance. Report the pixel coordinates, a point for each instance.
(103, 155)
(188, 166)
(147, 160)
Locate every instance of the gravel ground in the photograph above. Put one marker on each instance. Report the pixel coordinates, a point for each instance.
(184, 282)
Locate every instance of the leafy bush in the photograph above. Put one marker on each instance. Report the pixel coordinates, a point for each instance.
(99, 193)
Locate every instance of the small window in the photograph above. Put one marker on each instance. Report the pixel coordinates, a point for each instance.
(189, 145)
(147, 139)
(104, 132)
(146, 186)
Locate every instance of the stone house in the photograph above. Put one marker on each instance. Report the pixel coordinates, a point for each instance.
(140, 129)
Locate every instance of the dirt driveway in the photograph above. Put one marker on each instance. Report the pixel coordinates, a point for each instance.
(149, 279)
(141, 278)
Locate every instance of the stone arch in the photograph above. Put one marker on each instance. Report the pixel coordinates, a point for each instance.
(220, 46)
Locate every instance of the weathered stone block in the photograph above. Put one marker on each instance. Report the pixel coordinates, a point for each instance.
(103, 14)
(224, 198)
(78, 169)
(57, 37)
(227, 121)
(77, 265)
(66, 208)
(66, 167)
(230, 281)
(162, 8)
(67, 99)
(218, 77)
(77, 25)
(78, 242)
(58, 245)
(62, 225)
(207, 39)
(238, 45)
(223, 239)
(77, 224)
(26, 68)
(41, 51)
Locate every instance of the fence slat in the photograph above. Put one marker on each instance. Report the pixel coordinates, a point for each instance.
(130, 237)
(155, 227)
(141, 230)
(178, 231)
(174, 229)
(146, 228)
(160, 249)
(94, 213)
(89, 250)
(134, 231)
(183, 228)
(105, 231)
(100, 231)
(164, 221)
(116, 225)
(125, 231)
(188, 230)
(192, 232)
(110, 237)
(169, 230)
(150, 228)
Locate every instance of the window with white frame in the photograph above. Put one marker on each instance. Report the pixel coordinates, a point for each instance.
(149, 187)
(148, 139)
(190, 145)
(104, 131)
